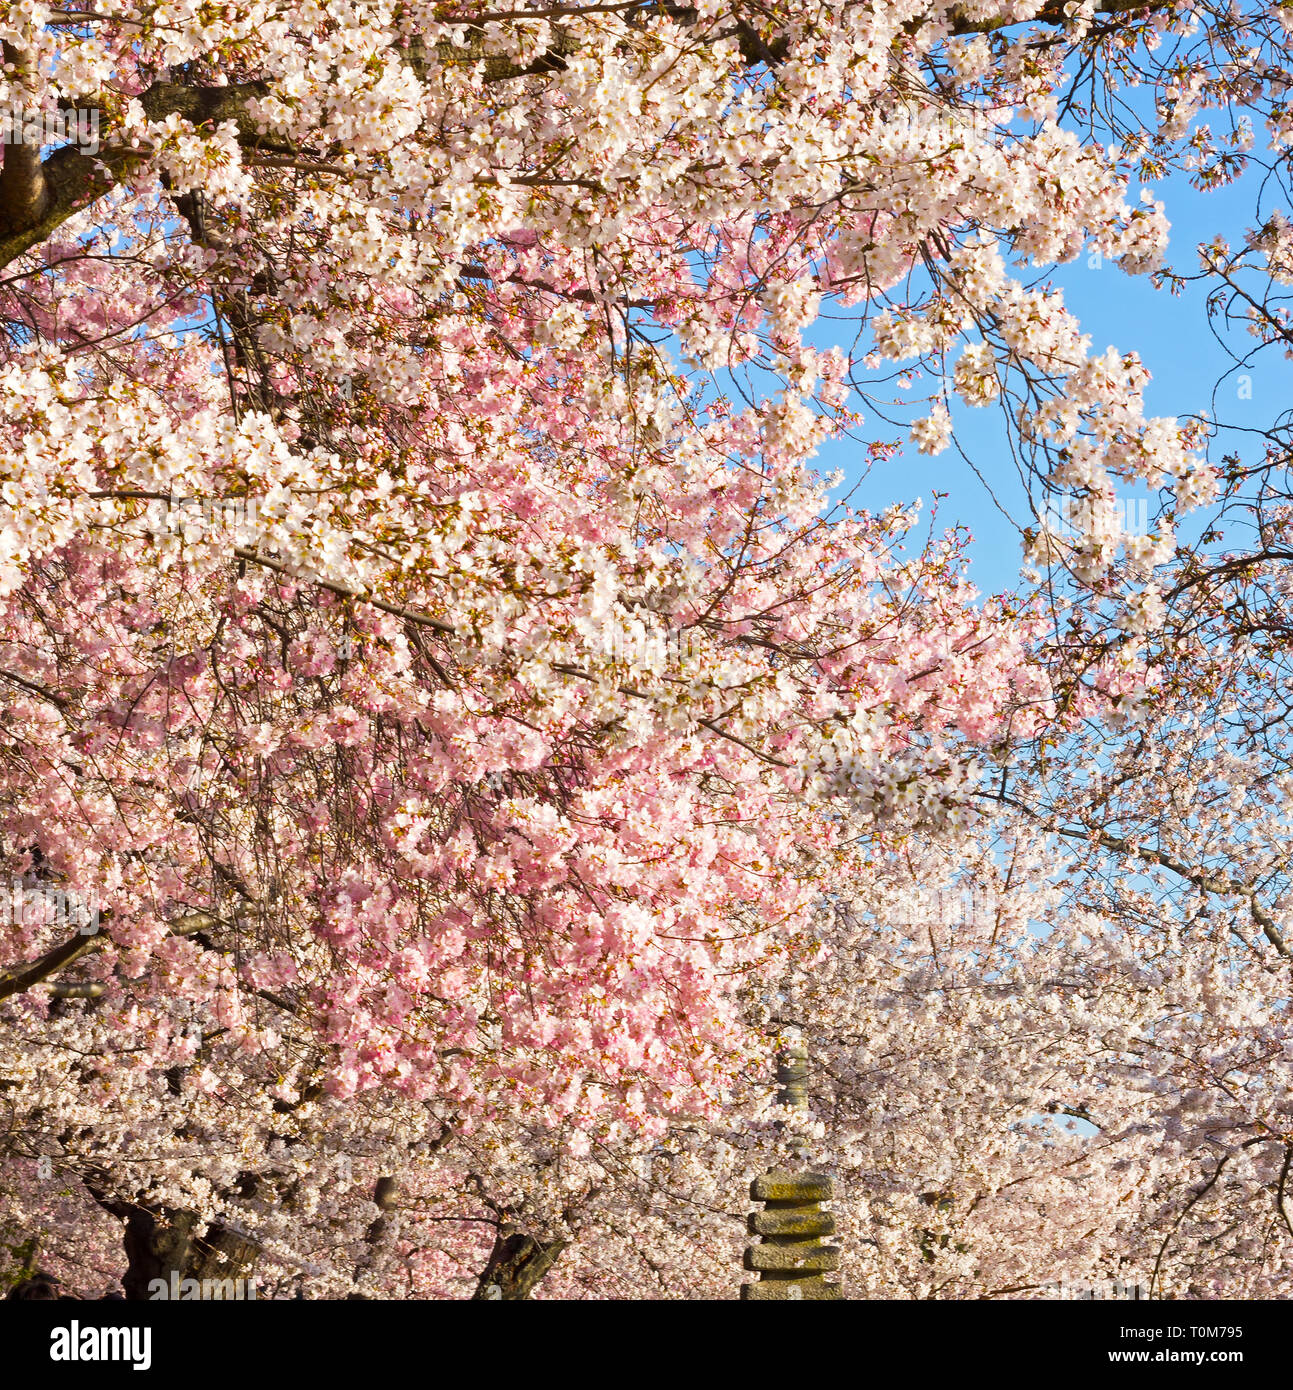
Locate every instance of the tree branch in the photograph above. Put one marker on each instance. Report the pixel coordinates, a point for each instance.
(37, 196)
(78, 947)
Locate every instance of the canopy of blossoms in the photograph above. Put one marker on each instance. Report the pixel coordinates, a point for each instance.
(427, 643)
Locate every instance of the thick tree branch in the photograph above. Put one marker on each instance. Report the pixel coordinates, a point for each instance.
(27, 976)
(37, 196)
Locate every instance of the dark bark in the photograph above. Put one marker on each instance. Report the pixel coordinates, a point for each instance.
(37, 197)
(24, 977)
(161, 1241)
(516, 1265)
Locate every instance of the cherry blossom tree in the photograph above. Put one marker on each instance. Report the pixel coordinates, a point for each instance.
(426, 639)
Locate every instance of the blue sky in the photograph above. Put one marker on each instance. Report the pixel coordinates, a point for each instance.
(1169, 332)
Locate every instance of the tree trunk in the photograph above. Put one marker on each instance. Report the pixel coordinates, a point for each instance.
(516, 1264)
(159, 1243)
